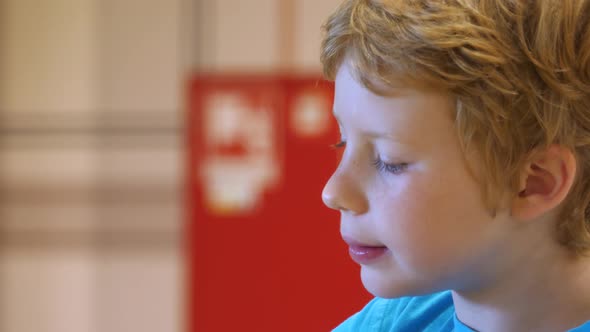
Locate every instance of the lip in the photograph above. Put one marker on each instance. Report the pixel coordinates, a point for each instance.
(364, 253)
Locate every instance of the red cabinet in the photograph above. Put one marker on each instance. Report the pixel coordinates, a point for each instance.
(264, 253)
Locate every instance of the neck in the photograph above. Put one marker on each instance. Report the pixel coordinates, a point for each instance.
(547, 290)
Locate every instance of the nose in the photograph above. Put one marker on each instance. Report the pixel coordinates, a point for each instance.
(343, 192)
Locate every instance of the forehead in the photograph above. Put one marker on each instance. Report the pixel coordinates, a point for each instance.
(405, 112)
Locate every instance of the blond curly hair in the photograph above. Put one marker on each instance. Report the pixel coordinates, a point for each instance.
(519, 70)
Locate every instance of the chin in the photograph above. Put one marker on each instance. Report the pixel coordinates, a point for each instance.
(384, 285)
(392, 285)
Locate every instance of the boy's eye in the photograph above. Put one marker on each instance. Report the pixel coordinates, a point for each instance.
(389, 168)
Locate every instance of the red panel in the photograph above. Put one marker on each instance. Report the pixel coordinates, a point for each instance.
(264, 253)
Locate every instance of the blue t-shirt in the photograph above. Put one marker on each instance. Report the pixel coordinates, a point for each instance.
(430, 313)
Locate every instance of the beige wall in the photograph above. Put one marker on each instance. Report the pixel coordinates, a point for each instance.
(91, 155)
(239, 34)
(90, 166)
(44, 42)
(247, 35)
(139, 51)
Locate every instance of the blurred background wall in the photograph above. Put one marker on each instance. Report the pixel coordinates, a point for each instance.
(90, 160)
(91, 147)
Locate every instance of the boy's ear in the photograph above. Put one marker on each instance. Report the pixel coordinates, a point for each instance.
(545, 182)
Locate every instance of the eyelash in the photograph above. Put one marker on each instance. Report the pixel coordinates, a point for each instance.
(389, 168)
(338, 145)
(378, 163)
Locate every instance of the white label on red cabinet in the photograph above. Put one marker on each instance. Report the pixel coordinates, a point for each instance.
(241, 161)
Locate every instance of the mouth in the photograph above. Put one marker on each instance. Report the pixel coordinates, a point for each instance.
(364, 253)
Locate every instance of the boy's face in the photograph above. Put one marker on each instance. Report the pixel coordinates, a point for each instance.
(403, 188)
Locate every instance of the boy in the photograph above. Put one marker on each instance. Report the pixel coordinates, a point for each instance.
(464, 185)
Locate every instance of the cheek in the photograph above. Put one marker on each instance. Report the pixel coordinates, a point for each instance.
(428, 222)
(405, 215)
